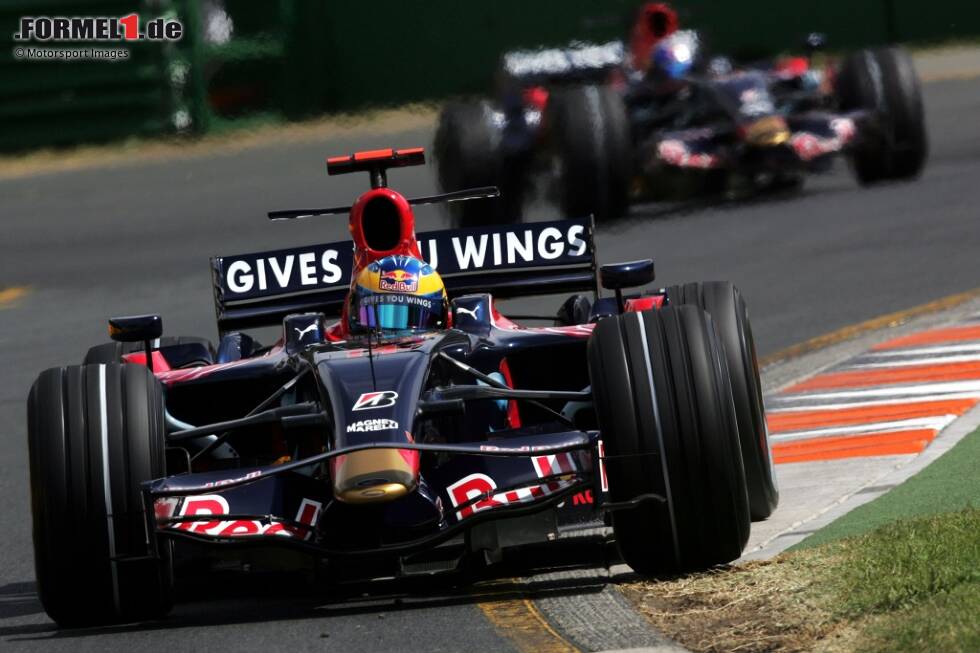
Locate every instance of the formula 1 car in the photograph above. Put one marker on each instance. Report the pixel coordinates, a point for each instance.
(593, 135)
(392, 456)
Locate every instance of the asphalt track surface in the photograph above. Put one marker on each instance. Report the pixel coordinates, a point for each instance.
(133, 239)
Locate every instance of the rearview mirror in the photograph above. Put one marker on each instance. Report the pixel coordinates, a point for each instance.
(815, 41)
(616, 276)
(135, 328)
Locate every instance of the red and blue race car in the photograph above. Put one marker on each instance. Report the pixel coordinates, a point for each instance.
(594, 127)
(376, 455)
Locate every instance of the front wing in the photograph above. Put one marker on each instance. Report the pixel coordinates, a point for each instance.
(286, 504)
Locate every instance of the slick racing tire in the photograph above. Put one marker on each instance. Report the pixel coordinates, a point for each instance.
(112, 352)
(591, 144)
(95, 433)
(676, 437)
(723, 301)
(468, 154)
(894, 145)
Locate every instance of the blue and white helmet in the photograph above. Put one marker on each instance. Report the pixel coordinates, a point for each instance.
(674, 57)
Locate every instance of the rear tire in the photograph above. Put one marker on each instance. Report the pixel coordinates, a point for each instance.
(589, 135)
(468, 154)
(884, 82)
(677, 438)
(113, 352)
(723, 301)
(91, 568)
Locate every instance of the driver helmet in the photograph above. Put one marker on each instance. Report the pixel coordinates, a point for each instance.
(674, 57)
(397, 296)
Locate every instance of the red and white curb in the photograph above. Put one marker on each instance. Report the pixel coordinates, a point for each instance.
(855, 430)
(842, 435)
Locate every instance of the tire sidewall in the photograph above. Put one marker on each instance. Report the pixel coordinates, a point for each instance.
(723, 301)
(665, 409)
(79, 417)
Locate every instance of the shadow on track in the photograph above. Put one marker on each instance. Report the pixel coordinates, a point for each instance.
(19, 600)
(236, 597)
(679, 209)
(266, 604)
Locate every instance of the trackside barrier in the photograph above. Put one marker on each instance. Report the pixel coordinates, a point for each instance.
(61, 103)
(297, 58)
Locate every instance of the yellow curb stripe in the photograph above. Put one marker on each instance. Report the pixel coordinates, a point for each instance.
(849, 332)
(10, 295)
(522, 623)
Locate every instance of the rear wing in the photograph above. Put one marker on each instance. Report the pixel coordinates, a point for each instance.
(540, 258)
(580, 62)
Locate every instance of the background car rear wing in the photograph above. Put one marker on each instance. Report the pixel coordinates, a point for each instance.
(540, 258)
(582, 62)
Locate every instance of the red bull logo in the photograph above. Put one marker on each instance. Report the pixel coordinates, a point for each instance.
(399, 281)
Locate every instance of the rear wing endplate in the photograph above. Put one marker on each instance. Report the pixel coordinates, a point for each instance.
(540, 258)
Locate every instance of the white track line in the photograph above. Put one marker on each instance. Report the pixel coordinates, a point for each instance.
(933, 360)
(936, 423)
(793, 408)
(925, 351)
(922, 389)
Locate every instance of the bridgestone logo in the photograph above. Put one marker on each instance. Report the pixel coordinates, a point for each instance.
(366, 425)
(377, 399)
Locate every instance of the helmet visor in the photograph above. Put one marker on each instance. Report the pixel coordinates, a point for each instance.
(396, 314)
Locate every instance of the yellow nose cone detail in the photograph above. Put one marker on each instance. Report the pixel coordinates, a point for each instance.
(373, 476)
(767, 132)
(374, 494)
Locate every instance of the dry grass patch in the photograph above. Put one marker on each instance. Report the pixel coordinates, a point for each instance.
(911, 585)
(761, 606)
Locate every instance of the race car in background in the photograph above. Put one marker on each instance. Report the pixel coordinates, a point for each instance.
(591, 129)
(391, 456)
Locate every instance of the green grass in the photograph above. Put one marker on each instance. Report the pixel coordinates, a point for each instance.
(913, 584)
(946, 622)
(907, 568)
(907, 562)
(950, 483)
